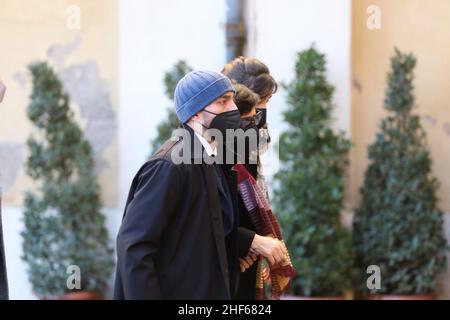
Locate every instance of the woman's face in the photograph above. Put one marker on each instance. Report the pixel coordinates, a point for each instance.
(249, 114)
(263, 102)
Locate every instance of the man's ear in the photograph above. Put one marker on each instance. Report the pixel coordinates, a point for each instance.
(196, 117)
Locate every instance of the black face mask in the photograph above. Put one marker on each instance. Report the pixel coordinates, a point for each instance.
(225, 120)
(251, 125)
(257, 124)
(229, 151)
(263, 117)
(252, 121)
(230, 120)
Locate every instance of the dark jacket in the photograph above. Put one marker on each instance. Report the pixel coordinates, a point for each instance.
(3, 279)
(171, 243)
(247, 281)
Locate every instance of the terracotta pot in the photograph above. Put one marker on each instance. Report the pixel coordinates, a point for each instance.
(290, 297)
(76, 295)
(401, 297)
(81, 295)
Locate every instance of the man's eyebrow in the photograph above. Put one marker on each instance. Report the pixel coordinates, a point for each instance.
(225, 97)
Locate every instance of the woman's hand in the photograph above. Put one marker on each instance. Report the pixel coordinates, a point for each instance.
(272, 249)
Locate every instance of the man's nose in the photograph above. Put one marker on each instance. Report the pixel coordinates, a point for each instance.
(232, 106)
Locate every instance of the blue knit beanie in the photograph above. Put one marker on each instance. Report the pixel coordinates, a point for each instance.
(198, 89)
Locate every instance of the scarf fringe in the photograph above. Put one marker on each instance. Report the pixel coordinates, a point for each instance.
(266, 224)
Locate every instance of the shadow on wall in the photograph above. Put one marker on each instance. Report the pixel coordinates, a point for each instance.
(91, 95)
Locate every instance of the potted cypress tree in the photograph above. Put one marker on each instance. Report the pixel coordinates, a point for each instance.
(398, 225)
(309, 196)
(64, 228)
(165, 128)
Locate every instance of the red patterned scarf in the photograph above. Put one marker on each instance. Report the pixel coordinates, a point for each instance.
(266, 224)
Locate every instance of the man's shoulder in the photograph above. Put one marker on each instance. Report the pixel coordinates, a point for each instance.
(162, 159)
(164, 152)
(182, 149)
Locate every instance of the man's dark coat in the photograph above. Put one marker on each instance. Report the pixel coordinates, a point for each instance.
(171, 244)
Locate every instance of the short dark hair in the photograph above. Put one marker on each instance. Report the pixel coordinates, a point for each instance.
(244, 98)
(252, 73)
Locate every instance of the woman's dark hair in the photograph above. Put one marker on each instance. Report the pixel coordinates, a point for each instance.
(253, 74)
(244, 98)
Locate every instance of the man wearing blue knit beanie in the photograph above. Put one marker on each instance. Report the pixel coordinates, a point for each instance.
(179, 235)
